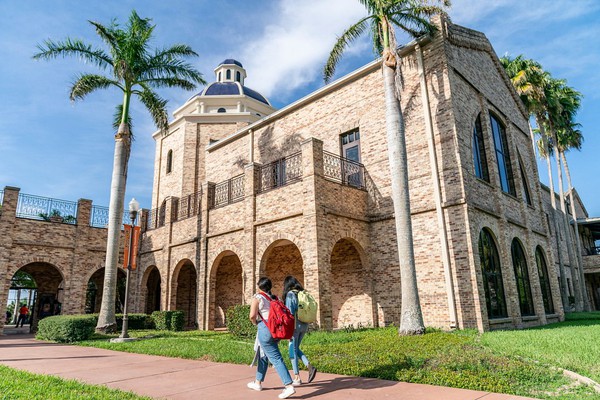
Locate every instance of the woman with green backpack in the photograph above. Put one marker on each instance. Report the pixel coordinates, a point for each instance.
(304, 308)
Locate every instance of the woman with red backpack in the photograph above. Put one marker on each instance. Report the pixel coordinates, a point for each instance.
(291, 287)
(265, 344)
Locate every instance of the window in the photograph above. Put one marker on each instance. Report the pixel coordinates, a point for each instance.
(221, 110)
(238, 76)
(219, 77)
(526, 195)
(502, 156)
(169, 161)
(522, 278)
(479, 158)
(542, 268)
(228, 74)
(350, 142)
(492, 276)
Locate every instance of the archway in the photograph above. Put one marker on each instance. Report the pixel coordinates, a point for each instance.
(282, 258)
(226, 287)
(351, 303)
(46, 299)
(95, 287)
(186, 293)
(152, 290)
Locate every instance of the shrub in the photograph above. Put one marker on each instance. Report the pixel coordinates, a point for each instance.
(238, 323)
(67, 328)
(136, 321)
(168, 320)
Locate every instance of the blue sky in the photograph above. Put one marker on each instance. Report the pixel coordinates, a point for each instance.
(54, 148)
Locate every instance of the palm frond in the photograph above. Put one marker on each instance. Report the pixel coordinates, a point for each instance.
(88, 83)
(156, 106)
(118, 117)
(167, 68)
(106, 34)
(73, 47)
(351, 34)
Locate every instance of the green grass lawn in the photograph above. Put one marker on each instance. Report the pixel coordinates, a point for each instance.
(513, 362)
(15, 384)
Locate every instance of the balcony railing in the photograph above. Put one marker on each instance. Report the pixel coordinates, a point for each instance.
(592, 251)
(226, 192)
(45, 208)
(280, 173)
(343, 170)
(187, 206)
(99, 217)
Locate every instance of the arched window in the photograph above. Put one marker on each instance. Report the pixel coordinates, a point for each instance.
(526, 195)
(542, 268)
(238, 76)
(522, 278)
(228, 74)
(479, 158)
(169, 161)
(492, 276)
(219, 77)
(502, 156)
(221, 110)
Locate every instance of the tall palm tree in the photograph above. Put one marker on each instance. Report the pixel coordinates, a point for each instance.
(135, 69)
(411, 16)
(531, 83)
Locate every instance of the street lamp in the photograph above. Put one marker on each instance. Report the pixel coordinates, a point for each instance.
(134, 207)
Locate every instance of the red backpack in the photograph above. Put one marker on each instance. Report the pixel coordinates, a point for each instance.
(281, 321)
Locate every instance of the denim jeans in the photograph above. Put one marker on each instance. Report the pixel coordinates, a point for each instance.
(295, 352)
(269, 347)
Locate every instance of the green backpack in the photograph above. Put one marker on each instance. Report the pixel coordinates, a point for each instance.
(307, 307)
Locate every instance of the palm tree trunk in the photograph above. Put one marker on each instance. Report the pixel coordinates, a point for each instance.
(564, 294)
(586, 302)
(411, 319)
(106, 319)
(572, 262)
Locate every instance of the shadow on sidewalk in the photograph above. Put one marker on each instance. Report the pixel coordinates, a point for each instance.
(342, 382)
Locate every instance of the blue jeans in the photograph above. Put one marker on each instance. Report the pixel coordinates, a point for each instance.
(271, 350)
(295, 352)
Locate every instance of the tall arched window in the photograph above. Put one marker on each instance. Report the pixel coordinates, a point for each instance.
(542, 268)
(238, 76)
(526, 194)
(228, 74)
(492, 276)
(169, 161)
(522, 278)
(502, 156)
(479, 158)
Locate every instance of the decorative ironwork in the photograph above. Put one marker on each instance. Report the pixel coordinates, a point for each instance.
(99, 217)
(280, 172)
(161, 213)
(226, 192)
(343, 170)
(45, 208)
(187, 206)
(151, 219)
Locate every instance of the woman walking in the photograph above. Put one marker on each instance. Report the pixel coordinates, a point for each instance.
(291, 287)
(265, 344)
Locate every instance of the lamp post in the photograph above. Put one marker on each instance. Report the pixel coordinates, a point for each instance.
(134, 207)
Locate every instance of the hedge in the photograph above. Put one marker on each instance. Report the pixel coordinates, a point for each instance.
(168, 320)
(67, 328)
(238, 323)
(136, 321)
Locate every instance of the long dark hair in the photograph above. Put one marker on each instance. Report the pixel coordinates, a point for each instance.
(265, 285)
(290, 283)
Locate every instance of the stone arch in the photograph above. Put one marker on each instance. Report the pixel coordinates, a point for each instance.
(150, 289)
(94, 289)
(184, 291)
(281, 258)
(350, 285)
(226, 287)
(268, 243)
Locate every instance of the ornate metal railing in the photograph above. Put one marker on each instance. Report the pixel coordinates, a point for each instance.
(343, 170)
(280, 172)
(187, 206)
(156, 217)
(45, 208)
(99, 217)
(226, 192)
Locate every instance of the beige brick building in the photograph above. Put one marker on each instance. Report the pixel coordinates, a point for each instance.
(242, 190)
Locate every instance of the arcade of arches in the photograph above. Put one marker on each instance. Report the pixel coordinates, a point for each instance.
(226, 287)
(186, 292)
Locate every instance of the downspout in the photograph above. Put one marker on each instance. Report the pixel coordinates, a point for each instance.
(436, 188)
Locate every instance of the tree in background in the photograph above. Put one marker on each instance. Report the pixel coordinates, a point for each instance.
(135, 69)
(412, 17)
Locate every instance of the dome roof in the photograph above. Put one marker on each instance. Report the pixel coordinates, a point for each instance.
(232, 88)
(231, 61)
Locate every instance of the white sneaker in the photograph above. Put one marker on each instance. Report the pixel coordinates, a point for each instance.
(256, 386)
(287, 392)
(297, 382)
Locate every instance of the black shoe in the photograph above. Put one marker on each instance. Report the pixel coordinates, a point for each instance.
(312, 372)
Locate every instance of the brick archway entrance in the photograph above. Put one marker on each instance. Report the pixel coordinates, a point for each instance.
(95, 287)
(226, 288)
(152, 290)
(282, 258)
(186, 293)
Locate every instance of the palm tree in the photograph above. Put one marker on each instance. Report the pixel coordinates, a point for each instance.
(410, 16)
(136, 70)
(531, 83)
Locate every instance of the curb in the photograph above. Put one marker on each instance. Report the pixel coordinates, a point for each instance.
(582, 379)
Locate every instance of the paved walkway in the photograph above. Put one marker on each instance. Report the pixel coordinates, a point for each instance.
(173, 378)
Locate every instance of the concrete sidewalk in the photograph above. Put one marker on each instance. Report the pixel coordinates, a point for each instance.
(173, 378)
